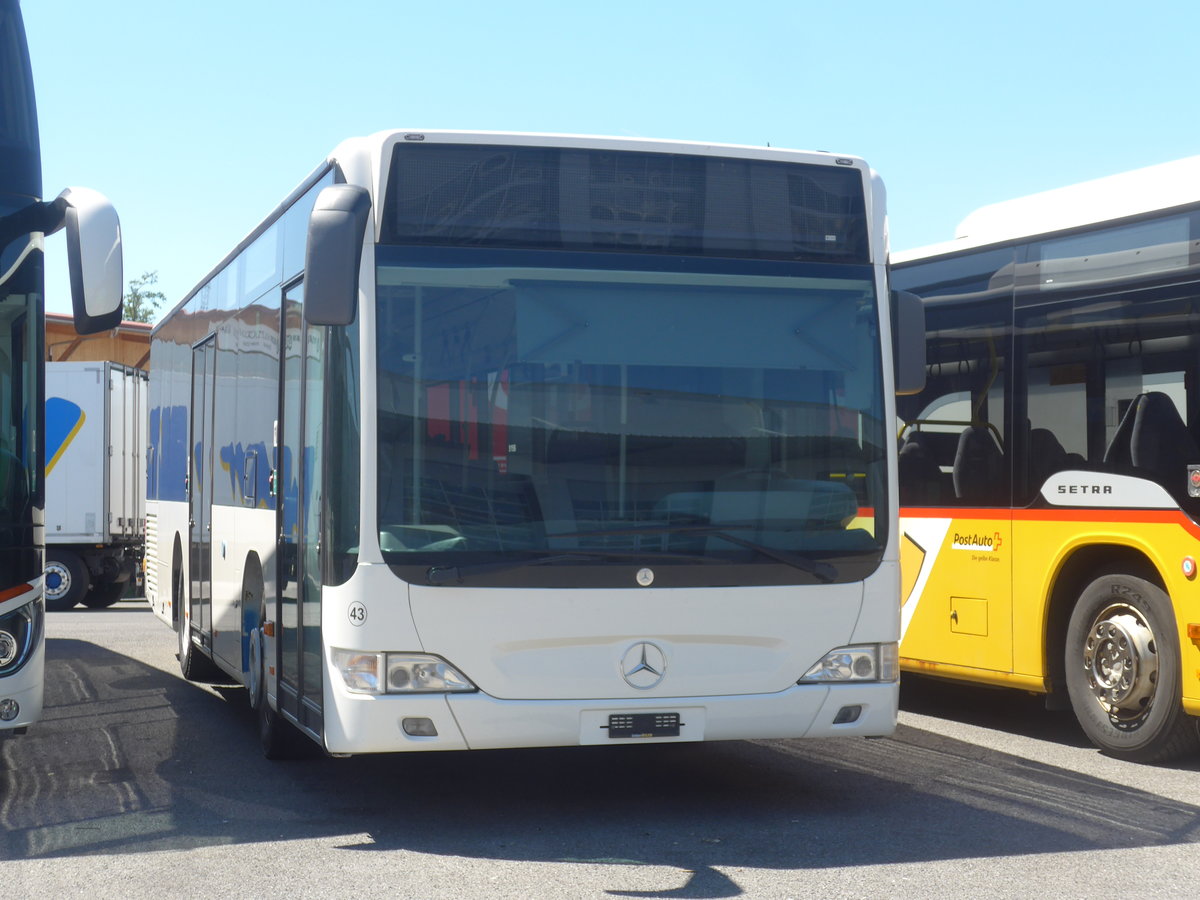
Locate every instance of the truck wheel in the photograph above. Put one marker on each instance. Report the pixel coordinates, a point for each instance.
(67, 579)
(1123, 671)
(103, 595)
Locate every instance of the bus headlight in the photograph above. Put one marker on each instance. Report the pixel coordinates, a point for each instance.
(20, 633)
(398, 673)
(866, 662)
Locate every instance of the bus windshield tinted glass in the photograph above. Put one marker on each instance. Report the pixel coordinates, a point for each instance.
(536, 410)
(473, 195)
(19, 169)
(20, 352)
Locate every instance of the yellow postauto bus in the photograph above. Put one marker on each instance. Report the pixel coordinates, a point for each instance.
(1050, 470)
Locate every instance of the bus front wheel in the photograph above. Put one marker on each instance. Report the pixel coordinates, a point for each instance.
(1123, 671)
(277, 737)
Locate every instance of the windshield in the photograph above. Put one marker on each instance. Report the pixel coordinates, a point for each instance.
(19, 167)
(610, 416)
(20, 353)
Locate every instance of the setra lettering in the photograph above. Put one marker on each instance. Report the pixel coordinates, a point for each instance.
(1085, 489)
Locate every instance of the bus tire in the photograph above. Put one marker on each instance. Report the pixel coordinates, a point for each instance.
(254, 615)
(277, 737)
(1123, 671)
(193, 664)
(67, 579)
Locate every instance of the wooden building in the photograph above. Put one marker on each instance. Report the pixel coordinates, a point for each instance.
(128, 343)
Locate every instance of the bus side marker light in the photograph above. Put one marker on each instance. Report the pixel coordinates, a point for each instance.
(1194, 631)
(1189, 567)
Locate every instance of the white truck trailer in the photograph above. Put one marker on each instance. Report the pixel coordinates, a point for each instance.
(95, 482)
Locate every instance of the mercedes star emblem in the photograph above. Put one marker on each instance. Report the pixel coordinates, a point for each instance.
(644, 665)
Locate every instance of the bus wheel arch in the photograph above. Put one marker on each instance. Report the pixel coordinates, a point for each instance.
(278, 738)
(194, 665)
(1121, 664)
(1078, 571)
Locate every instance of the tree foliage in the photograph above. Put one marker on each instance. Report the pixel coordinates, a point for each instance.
(141, 300)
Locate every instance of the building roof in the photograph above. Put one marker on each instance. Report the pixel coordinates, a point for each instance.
(128, 343)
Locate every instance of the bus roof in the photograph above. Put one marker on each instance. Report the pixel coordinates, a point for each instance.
(1113, 197)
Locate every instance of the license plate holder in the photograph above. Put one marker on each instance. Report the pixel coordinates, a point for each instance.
(643, 725)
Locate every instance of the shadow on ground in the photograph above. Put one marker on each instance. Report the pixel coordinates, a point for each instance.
(129, 758)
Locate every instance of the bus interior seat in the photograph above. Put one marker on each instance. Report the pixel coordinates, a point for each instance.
(978, 467)
(1046, 456)
(1153, 440)
(922, 482)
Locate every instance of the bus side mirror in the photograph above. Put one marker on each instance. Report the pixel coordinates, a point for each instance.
(93, 259)
(336, 229)
(908, 342)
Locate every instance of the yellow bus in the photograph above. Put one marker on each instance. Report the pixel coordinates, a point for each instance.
(1050, 470)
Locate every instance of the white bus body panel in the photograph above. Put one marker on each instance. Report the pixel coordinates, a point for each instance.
(170, 522)
(567, 645)
(548, 662)
(237, 533)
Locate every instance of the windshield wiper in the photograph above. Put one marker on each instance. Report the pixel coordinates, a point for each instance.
(447, 574)
(819, 569)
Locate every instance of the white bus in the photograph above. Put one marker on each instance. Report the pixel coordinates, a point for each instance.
(503, 440)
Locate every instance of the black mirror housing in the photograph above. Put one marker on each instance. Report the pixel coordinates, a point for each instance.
(908, 342)
(94, 259)
(336, 230)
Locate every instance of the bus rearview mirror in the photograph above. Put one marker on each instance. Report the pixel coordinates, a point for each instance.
(908, 342)
(333, 253)
(93, 259)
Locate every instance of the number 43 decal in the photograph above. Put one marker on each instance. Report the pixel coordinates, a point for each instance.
(357, 613)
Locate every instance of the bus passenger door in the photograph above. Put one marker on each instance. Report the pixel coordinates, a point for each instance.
(299, 621)
(200, 487)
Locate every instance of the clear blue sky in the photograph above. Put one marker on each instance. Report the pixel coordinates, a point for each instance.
(196, 119)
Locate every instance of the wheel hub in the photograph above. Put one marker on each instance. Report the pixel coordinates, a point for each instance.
(58, 580)
(1121, 662)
